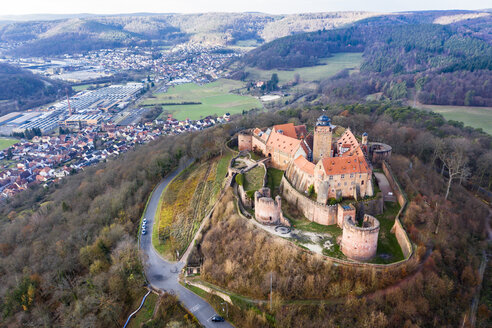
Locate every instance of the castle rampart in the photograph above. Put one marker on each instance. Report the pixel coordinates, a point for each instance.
(360, 243)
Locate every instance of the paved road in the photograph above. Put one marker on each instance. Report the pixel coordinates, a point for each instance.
(162, 274)
(385, 187)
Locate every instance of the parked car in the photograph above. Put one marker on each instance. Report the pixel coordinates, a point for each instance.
(144, 231)
(217, 318)
(144, 221)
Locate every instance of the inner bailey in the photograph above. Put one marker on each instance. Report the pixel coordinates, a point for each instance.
(360, 243)
(322, 213)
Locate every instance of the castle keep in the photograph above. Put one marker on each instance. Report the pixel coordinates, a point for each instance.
(325, 169)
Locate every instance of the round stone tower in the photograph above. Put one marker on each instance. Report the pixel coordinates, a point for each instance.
(360, 243)
(322, 138)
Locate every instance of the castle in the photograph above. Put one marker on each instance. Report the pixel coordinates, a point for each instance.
(319, 169)
(335, 170)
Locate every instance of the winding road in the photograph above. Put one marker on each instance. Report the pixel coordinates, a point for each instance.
(164, 275)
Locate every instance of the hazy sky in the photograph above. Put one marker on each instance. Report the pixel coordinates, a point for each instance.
(20, 7)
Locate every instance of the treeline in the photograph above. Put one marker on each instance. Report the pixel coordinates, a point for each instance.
(304, 49)
(388, 48)
(457, 88)
(460, 88)
(69, 253)
(23, 90)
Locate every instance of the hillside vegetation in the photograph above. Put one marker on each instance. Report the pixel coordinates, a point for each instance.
(69, 252)
(21, 89)
(185, 203)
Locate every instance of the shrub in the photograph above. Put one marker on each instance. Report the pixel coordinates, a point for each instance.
(240, 179)
(310, 190)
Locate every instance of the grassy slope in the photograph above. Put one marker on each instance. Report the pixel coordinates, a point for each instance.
(215, 98)
(330, 66)
(190, 195)
(253, 179)
(477, 117)
(7, 142)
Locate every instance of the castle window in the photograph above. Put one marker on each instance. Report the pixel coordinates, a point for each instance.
(331, 177)
(351, 175)
(345, 184)
(343, 176)
(362, 182)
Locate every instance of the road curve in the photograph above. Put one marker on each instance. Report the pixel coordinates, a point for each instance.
(163, 274)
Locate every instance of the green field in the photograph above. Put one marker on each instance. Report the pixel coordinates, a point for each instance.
(329, 67)
(214, 98)
(7, 142)
(476, 117)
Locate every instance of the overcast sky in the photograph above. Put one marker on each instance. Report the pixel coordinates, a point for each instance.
(21, 7)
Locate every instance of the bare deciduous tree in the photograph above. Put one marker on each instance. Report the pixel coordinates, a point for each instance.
(455, 160)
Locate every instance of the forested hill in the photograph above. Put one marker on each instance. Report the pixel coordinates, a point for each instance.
(388, 46)
(20, 89)
(37, 37)
(442, 64)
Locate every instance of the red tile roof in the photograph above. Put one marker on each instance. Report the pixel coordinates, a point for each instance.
(345, 165)
(290, 130)
(304, 165)
(283, 143)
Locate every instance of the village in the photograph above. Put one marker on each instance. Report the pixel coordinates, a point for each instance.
(187, 62)
(46, 159)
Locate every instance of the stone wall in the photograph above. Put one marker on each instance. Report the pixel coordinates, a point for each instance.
(245, 141)
(324, 214)
(248, 202)
(400, 233)
(360, 243)
(394, 185)
(402, 237)
(313, 211)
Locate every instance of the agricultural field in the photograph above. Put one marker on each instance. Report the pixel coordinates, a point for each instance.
(185, 202)
(7, 142)
(329, 67)
(209, 99)
(476, 117)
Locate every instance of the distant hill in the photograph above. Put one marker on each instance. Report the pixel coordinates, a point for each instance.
(21, 89)
(403, 56)
(40, 35)
(55, 35)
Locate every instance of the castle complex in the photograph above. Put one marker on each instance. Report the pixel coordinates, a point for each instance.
(335, 170)
(319, 169)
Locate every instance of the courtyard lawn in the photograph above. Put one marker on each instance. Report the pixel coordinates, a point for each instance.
(327, 68)
(389, 250)
(212, 98)
(476, 117)
(274, 177)
(7, 142)
(253, 179)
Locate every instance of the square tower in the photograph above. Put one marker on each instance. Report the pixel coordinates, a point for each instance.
(322, 139)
